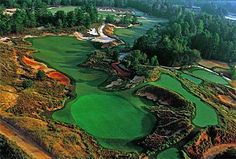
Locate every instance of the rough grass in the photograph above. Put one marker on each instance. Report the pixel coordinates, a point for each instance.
(59, 140)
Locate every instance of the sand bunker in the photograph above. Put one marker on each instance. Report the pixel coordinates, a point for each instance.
(103, 38)
(93, 31)
(80, 36)
(59, 77)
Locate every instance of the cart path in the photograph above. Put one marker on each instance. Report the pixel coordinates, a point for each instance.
(23, 142)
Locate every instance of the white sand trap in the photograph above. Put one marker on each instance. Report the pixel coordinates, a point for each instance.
(80, 36)
(93, 31)
(103, 38)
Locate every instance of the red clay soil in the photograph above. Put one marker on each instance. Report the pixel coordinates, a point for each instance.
(59, 77)
(209, 143)
(33, 64)
(213, 151)
(227, 100)
(119, 70)
(50, 72)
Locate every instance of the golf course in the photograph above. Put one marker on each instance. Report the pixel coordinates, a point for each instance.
(117, 79)
(113, 118)
(129, 35)
(117, 118)
(208, 76)
(191, 78)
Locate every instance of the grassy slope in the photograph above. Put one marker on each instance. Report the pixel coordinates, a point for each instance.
(129, 35)
(205, 115)
(171, 153)
(65, 9)
(208, 76)
(191, 78)
(71, 8)
(115, 118)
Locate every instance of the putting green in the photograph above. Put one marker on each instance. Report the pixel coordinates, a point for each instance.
(110, 117)
(171, 153)
(205, 115)
(115, 119)
(208, 76)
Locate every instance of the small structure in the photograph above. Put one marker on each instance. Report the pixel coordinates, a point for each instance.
(9, 11)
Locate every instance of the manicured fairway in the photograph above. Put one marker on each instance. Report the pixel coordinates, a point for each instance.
(65, 9)
(191, 78)
(71, 8)
(208, 76)
(171, 153)
(113, 118)
(129, 35)
(205, 115)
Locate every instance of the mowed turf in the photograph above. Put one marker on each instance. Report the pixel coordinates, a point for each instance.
(115, 119)
(205, 115)
(65, 9)
(171, 153)
(208, 76)
(129, 35)
(191, 78)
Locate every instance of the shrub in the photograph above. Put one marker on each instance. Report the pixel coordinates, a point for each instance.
(27, 83)
(40, 75)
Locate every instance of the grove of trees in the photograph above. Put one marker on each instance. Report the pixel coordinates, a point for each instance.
(125, 20)
(27, 18)
(35, 3)
(188, 37)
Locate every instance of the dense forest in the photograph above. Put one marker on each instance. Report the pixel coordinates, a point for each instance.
(81, 17)
(184, 40)
(34, 3)
(188, 36)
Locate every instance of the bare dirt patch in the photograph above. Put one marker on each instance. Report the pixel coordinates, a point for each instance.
(218, 149)
(213, 63)
(227, 100)
(28, 146)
